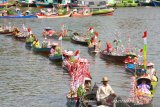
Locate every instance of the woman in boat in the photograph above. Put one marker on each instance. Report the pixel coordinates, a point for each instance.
(36, 43)
(1, 29)
(144, 88)
(151, 71)
(30, 38)
(45, 43)
(109, 49)
(53, 48)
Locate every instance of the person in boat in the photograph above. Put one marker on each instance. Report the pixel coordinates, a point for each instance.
(151, 71)
(30, 38)
(1, 28)
(53, 48)
(36, 43)
(109, 48)
(75, 11)
(104, 92)
(99, 45)
(45, 43)
(144, 88)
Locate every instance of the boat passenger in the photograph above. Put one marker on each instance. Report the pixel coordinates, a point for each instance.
(151, 71)
(144, 88)
(99, 45)
(45, 43)
(36, 43)
(104, 92)
(109, 48)
(53, 47)
(1, 29)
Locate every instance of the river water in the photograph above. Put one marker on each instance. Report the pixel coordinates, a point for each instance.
(31, 80)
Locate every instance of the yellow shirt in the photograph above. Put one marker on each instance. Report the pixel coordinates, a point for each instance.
(36, 44)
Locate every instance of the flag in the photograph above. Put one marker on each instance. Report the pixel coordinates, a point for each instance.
(96, 35)
(60, 37)
(29, 31)
(145, 49)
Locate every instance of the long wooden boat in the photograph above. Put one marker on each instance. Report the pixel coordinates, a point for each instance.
(145, 3)
(6, 32)
(126, 4)
(24, 4)
(45, 51)
(20, 38)
(114, 58)
(28, 45)
(56, 57)
(19, 16)
(44, 5)
(80, 15)
(3, 5)
(89, 100)
(82, 40)
(102, 11)
(156, 2)
(53, 16)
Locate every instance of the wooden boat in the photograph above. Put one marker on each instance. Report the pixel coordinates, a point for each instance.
(156, 2)
(135, 69)
(3, 5)
(82, 40)
(39, 15)
(6, 32)
(80, 15)
(28, 45)
(126, 3)
(20, 38)
(44, 5)
(45, 51)
(102, 11)
(114, 57)
(145, 3)
(89, 100)
(26, 4)
(19, 16)
(56, 57)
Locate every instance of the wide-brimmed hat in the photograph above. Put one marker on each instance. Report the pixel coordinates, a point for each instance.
(150, 64)
(105, 79)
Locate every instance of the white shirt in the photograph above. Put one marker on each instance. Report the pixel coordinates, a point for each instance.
(104, 91)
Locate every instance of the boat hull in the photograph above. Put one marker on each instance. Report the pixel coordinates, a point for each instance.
(84, 43)
(134, 69)
(18, 16)
(43, 5)
(56, 58)
(7, 32)
(156, 3)
(24, 4)
(53, 16)
(145, 4)
(80, 15)
(102, 11)
(126, 5)
(114, 58)
(45, 51)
